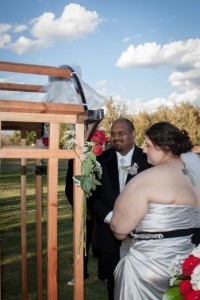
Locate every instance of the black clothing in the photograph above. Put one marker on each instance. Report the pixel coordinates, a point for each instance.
(89, 223)
(102, 202)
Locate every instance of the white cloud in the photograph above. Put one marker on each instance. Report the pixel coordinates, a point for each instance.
(20, 28)
(150, 105)
(75, 22)
(129, 38)
(189, 79)
(150, 55)
(4, 40)
(134, 106)
(193, 96)
(183, 56)
(24, 44)
(102, 83)
(4, 27)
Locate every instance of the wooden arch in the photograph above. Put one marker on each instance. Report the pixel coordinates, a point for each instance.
(28, 116)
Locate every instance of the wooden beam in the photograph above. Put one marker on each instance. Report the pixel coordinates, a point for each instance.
(39, 107)
(34, 69)
(36, 153)
(38, 118)
(19, 87)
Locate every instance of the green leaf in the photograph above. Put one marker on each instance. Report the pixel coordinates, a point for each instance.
(93, 156)
(87, 183)
(172, 294)
(86, 167)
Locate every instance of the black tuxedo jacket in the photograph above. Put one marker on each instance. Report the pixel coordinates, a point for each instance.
(103, 199)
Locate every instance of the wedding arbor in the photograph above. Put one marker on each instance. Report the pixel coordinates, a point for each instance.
(29, 116)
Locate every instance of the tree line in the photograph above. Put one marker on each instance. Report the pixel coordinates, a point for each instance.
(184, 116)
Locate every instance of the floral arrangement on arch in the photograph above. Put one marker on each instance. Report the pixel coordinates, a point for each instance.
(185, 280)
(91, 170)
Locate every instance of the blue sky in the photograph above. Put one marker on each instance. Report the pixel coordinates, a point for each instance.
(143, 53)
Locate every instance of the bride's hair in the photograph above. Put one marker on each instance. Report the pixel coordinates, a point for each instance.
(169, 138)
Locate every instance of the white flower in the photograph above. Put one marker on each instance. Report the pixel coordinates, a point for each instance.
(132, 169)
(196, 251)
(70, 144)
(175, 266)
(172, 280)
(195, 278)
(70, 134)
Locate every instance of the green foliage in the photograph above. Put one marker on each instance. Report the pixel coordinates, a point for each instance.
(30, 138)
(113, 111)
(15, 138)
(88, 183)
(141, 122)
(63, 129)
(184, 116)
(172, 294)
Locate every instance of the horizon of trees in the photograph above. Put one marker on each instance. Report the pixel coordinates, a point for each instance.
(184, 116)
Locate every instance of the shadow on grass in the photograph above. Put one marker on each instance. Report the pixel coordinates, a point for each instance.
(10, 240)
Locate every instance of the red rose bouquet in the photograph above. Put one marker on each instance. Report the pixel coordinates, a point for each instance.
(185, 279)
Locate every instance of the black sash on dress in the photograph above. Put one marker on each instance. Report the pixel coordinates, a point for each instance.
(149, 235)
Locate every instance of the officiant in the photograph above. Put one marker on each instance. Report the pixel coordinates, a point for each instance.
(121, 162)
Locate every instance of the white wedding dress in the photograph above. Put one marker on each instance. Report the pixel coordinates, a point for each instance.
(144, 273)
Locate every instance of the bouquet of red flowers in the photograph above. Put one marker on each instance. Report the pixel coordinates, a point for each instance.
(185, 279)
(99, 139)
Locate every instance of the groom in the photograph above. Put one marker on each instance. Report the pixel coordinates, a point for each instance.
(123, 148)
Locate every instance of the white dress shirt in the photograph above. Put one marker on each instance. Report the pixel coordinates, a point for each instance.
(127, 162)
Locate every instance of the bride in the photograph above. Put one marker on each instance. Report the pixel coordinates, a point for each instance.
(160, 210)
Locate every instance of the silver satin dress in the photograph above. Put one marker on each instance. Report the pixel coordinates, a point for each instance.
(144, 273)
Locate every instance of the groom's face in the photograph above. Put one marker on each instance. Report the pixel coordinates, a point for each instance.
(121, 139)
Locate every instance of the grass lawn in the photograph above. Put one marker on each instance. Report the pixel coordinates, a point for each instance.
(10, 237)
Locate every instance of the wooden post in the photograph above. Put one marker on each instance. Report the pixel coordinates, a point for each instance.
(52, 214)
(38, 193)
(78, 223)
(23, 222)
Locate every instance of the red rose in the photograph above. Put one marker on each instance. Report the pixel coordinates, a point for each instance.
(194, 295)
(99, 137)
(189, 264)
(185, 287)
(45, 141)
(97, 149)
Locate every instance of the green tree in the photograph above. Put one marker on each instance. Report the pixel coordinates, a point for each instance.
(186, 116)
(141, 122)
(113, 111)
(16, 138)
(161, 114)
(63, 129)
